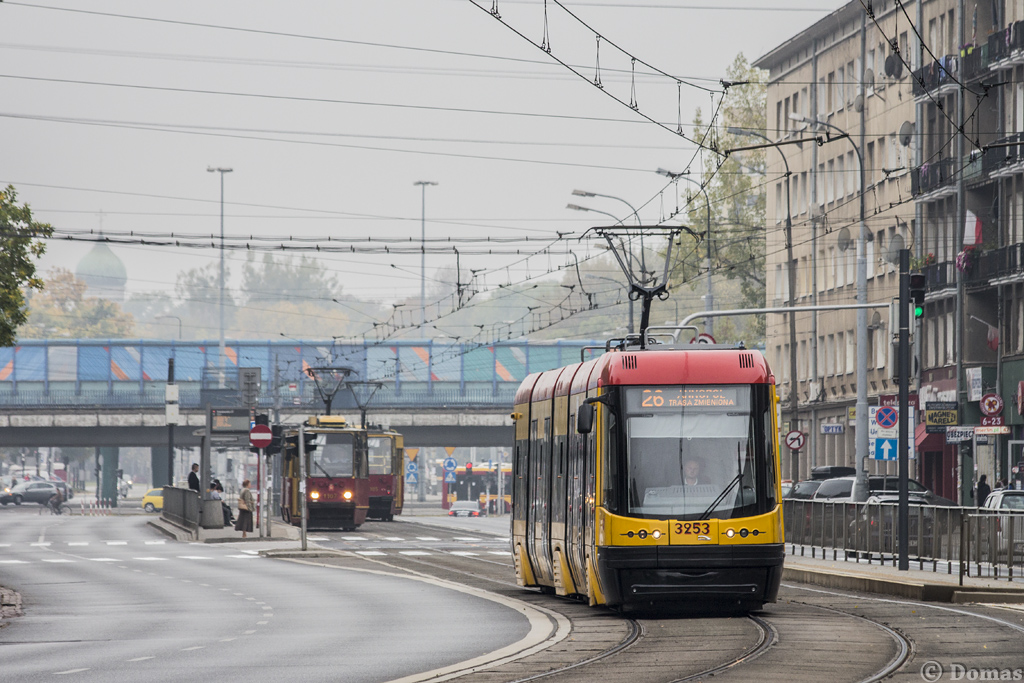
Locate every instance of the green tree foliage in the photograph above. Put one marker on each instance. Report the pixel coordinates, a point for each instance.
(20, 245)
(63, 310)
(737, 198)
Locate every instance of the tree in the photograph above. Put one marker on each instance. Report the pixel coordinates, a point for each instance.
(20, 245)
(63, 310)
(737, 197)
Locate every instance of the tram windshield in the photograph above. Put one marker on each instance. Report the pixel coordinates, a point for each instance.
(380, 454)
(697, 452)
(333, 456)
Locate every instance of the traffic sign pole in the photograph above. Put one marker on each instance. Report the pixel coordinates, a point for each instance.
(903, 510)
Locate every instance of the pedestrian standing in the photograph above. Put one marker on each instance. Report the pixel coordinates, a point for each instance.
(983, 490)
(245, 508)
(193, 477)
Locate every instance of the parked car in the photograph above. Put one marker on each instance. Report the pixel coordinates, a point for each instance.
(30, 492)
(1002, 505)
(823, 472)
(787, 486)
(153, 500)
(465, 508)
(877, 520)
(803, 490)
(1005, 499)
(839, 490)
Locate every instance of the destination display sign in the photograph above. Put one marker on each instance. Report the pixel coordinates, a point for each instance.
(230, 420)
(641, 400)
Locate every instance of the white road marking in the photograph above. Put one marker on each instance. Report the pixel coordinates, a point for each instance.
(354, 538)
(466, 538)
(261, 623)
(151, 559)
(317, 538)
(155, 542)
(79, 543)
(102, 559)
(253, 599)
(196, 557)
(140, 659)
(69, 671)
(5, 545)
(249, 633)
(427, 538)
(463, 553)
(194, 647)
(205, 585)
(369, 552)
(117, 542)
(504, 553)
(60, 561)
(267, 607)
(244, 557)
(413, 552)
(238, 593)
(227, 640)
(13, 562)
(44, 545)
(393, 538)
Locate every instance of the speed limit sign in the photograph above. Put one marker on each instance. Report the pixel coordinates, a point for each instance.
(795, 440)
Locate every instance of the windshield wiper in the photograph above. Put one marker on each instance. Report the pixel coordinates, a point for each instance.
(725, 492)
(316, 464)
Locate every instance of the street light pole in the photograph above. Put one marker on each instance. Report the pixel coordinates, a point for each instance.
(860, 486)
(423, 259)
(618, 221)
(222, 171)
(585, 193)
(794, 401)
(709, 305)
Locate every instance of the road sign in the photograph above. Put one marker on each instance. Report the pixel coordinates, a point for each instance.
(449, 477)
(887, 417)
(795, 440)
(260, 436)
(411, 468)
(450, 465)
(411, 479)
(703, 338)
(991, 404)
(886, 449)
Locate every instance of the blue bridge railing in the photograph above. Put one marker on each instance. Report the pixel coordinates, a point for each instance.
(414, 374)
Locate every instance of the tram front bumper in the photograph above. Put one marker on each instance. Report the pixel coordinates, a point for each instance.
(746, 573)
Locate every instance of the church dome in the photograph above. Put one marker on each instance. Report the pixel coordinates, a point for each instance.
(103, 272)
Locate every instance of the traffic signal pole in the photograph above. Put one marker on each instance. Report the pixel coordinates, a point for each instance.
(903, 512)
(302, 481)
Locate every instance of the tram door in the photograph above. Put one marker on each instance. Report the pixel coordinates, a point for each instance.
(539, 516)
(575, 500)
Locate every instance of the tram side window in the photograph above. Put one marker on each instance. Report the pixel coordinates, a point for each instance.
(610, 464)
(770, 454)
(335, 457)
(380, 455)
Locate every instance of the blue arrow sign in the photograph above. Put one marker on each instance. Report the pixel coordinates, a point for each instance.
(411, 478)
(449, 477)
(885, 449)
(450, 464)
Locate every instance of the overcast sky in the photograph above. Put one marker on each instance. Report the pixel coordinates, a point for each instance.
(327, 129)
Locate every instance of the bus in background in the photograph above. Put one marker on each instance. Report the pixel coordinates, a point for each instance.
(385, 449)
(479, 483)
(337, 483)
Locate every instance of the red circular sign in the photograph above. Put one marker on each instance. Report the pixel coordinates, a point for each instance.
(260, 436)
(991, 404)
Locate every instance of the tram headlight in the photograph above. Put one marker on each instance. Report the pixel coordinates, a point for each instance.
(656, 534)
(315, 495)
(730, 532)
(347, 495)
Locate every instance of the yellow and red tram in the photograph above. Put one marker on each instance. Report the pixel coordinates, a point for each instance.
(385, 448)
(336, 482)
(648, 477)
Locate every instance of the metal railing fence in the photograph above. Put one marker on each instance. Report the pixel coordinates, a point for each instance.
(964, 541)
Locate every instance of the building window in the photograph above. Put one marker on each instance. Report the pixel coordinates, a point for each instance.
(840, 353)
(851, 351)
(840, 88)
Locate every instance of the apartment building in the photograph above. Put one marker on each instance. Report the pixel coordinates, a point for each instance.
(903, 82)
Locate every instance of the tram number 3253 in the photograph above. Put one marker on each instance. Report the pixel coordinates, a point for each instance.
(693, 528)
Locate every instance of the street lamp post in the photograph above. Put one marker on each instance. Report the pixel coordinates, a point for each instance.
(791, 279)
(222, 171)
(159, 317)
(423, 262)
(860, 486)
(709, 325)
(585, 193)
(618, 221)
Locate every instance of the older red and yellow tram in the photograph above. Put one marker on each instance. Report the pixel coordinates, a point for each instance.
(646, 477)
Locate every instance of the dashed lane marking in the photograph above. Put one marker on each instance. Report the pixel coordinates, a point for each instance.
(60, 561)
(78, 543)
(117, 542)
(13, 562)
(140, 659)
(413, 552)
(151, 559)
(155, 542)
(464, 553)
(194, 647)
(103, 559)
(249, 633)
(370, 552)
(45, 544)
(503, 553)
(262, 623)
(317, 538)
(244, 557)
(393, 538)
(194, 557)
(69, 671)
(227, 640)
(466, 538)
(427, 538)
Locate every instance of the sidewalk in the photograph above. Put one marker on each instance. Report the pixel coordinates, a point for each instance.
(915, 584)
(278, 530)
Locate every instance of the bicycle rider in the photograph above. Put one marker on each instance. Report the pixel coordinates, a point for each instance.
(55, 501)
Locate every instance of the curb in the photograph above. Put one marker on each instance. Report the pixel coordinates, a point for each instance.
(912, 590)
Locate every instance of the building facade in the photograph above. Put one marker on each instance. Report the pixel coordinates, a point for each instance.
(932, 97)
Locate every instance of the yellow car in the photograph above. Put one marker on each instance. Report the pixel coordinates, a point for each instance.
(153, 500)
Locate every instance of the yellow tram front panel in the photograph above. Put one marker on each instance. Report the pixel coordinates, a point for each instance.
(760, 530)
(694, 532)
(616, 530)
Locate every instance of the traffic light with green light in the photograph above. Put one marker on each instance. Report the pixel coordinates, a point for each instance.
(918, 286)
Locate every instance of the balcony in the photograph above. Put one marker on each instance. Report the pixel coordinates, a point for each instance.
(930, 177)
(1006, 47)
(975, 62)
(1003, 161)
(940, 276)
(994, 264)
(932, 78)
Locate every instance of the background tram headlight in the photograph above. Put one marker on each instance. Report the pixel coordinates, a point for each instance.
(656, 534)
(730, 533)
(315, 495)
(347, 495)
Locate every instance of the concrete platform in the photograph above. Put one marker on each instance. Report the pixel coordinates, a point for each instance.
(278, 532)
